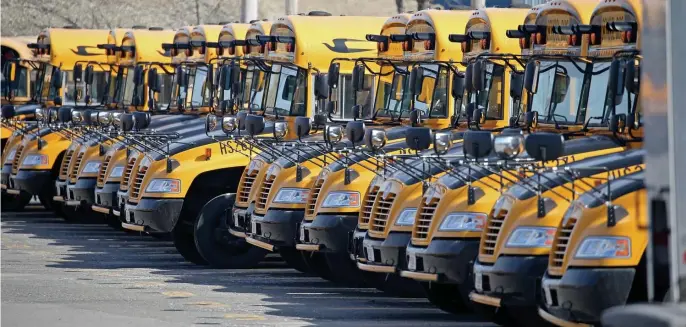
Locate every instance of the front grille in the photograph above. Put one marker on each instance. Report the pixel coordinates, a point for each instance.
(17, 157)
(561, 242)
(264, 192)
(124, 185)
(244, 187)
(64, 168)
(423, 223)
(138, 183)
(312, 202)
(490, 236)
(76, 166)
(366, 213)
(103, 170)
(382, 209)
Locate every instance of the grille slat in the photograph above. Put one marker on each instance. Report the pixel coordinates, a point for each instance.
(261, 202)
(64, 169)
(76, 167)
(366, 212)
(103, 170)
(423, 223)
(493, 227)
(138, 182)
(380, 212)
(246, 184)
(124, 185)
(312, 202)
(17, 157)
(561, 242)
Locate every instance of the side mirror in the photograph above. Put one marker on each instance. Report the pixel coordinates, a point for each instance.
(615, 86)
(58, 100)
(126, 124)
(331, 107)
(356, 111)
(319, 120)
(210, 77)
(7, 111)
(64, 115)
(254, 124)
(240, 117)
(618, 123)
(141, 120)
(358, 77)
(210, 123)
(321, 87)
(355, 131)
(334, 74)
(418, 138)
(545, 146)
(458, 85)
(153, 80)
(78, 72)
(181, 79)
(416, 80)
(478, 76)
(225, 78)
(138, 75)
(56, 80)
(561, 87)
(516, 84)
(632, 77)
(477, 144)
(479, 116)
(88, 75)
(468, 78)
(531, 76)
(302, 126)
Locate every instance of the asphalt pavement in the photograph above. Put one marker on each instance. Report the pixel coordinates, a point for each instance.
(60, 274)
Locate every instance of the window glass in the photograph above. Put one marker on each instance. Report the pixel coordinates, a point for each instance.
(439, 106)
(286, 94)
(492, 97)
(127, 97)
(197, 97)
(258, 86)
(559, 91)
(392, 98)
(596, 105)
(425, 93)
(166, 87)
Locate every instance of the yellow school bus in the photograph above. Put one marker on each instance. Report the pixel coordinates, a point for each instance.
(36, 160)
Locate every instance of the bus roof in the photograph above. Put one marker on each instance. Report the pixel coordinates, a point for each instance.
(256, 28)
(626, 17)
(562, 13)
(231, 32)
(394, 25)
(442, 23)
(204, 34)
(148, 46)
(66, 46)
(495, 22)
(19, 44)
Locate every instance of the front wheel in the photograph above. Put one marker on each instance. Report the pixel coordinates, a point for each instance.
(219, 248)
(185, 243)
(446, 297)
(15, 202)
(294, 259)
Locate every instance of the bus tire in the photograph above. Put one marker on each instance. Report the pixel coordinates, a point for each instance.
(294, 259)
(185, 243)
(446, 297)
(18, 202)
(344, 271)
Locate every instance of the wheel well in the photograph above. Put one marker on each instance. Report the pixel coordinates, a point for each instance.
(205, 187)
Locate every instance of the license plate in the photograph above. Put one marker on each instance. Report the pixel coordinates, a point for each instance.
(370, 253)
(478, 282)
(302, 233)
(236, 218)
(548, 296)
(254, 227)
(411, 261)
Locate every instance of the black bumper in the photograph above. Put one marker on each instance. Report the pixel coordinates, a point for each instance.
(277, 227)
(106, 196)
(389, 251)
(31, 181)
(240, 218)
(581, 295)
(516, 280)
(330, 232)
(355, 240)
(82, 191)
(157, 215)
(449, 259)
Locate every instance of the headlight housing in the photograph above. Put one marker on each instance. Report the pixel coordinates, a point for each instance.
(531, 237)
(229, 124)
(442, 142)
(164, 185)
(39, 113)
(463, 222)
(292, 195)
(334, 133)
(76, 116)
(342, 200)
(280, 129)
(117, 171)
(508, 146)
(406, 217)
(104, 118)
(32, 159)
(378, 139)
(604, 247)
(116, 118)
(91, 167)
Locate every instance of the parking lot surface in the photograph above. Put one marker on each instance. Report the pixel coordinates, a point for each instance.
(60, 274)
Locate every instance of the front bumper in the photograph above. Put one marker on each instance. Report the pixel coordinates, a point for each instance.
(355, 240)
(276, 227)
(239, 225)
(444, 260)
(123, 197)
(581, 295)
(385, 255)
(106, 197)
(513, 281)
(327, 233)
(30, 181)
(154, 215)
(82, 192)
(60, 191)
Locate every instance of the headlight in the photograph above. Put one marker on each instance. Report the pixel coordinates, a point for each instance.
(116, 118)
(342, 200)
(10, 156)
(105, 118)
(280, 129)
(76, 116)
(463, 222)
(378, 139)
(91, 167)
(39, 114)
(34, 159)
(601, 247)
(164, 186)
(334, 133)
(229, 124)
(508, 146)
(117, 171)
(292, 195)
(442, 142)
(531, 237)
(406, 217)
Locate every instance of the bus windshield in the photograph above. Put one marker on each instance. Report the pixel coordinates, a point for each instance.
(286, 92)
(255, 86)
(558, 95)
(75, 92)
(391, 96)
